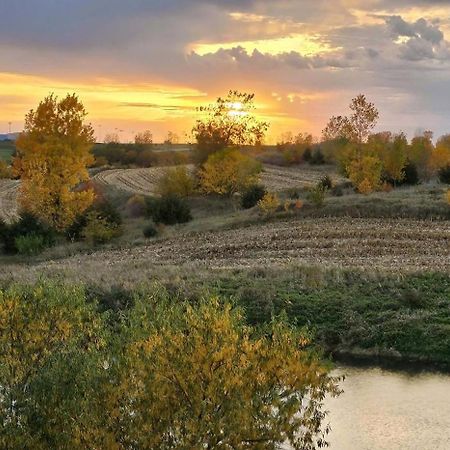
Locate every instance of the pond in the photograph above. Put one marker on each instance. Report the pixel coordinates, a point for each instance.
(383, 409)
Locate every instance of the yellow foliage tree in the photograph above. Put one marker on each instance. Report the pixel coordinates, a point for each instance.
(420, 154)
(440, 157)
(176, 181)
(228, 171)
(393, 152)
(44, 330)
(365, 174)
(53, 154)
(199, 379)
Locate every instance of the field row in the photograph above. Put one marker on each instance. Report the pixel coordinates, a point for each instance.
(371, 244)
(144, 181)
(8, 199)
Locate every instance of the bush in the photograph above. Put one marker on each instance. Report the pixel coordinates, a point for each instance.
(252, 196)
(136, 206)
(316, 195)
(410, 175)
(444, 175)
(168, 210)
(107, 214)
(99, 230)
(317, 158)
(326, 183)
(150, 231)
(269, 204)
(176, 181)
(29, 244)
(307, 155)
(6, 171)
(27, 225)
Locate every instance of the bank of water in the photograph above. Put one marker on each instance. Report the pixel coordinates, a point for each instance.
(383, 409)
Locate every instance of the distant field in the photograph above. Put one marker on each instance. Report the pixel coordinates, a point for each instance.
(8, 199)
(275, 178)
(6, 151)
(369, 244)
(134, 181)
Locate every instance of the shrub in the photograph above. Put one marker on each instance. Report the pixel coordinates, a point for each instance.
(176, 181)
(26, 225)
(307, 155)
(316, 195)
(29, 244)
(105, 212)
(5, 171)
(410, 175)
(317, 158)
(444, 175)
(293, 193)
(98, 230)
(252, 196)
(150, 231)
(326, 183)
(168, 210)
(269, 204)
(136, 206)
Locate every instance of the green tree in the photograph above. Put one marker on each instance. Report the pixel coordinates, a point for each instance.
(50, 344)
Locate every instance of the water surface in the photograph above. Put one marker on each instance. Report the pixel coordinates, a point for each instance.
(382, 409)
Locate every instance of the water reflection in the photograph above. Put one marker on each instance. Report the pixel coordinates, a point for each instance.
(390, 410)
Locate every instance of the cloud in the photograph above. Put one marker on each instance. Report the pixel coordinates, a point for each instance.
(395, 51)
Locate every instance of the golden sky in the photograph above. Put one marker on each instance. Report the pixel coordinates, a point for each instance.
(149, 65)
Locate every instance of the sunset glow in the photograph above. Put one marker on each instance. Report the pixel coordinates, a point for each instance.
(300, 59)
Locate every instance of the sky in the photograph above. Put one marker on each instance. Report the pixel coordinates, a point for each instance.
(149, 64)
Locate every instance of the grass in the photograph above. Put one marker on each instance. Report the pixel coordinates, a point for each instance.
(369, 315)
(6, 151)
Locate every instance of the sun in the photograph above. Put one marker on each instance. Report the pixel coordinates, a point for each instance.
(236, 109)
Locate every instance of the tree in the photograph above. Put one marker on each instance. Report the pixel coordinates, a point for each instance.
(177, 181)
(163, 374)
(295, 150)
(199, 378)
(230, 122)
(356, 127)
(172, 138)
(339, 127)
(440, 158)
(228, 171)
(364, 118)
(393, 152)
(420, 153)
(365, 174)
(144, 138)
(112, 138)
(49, 342)
(53, 154)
